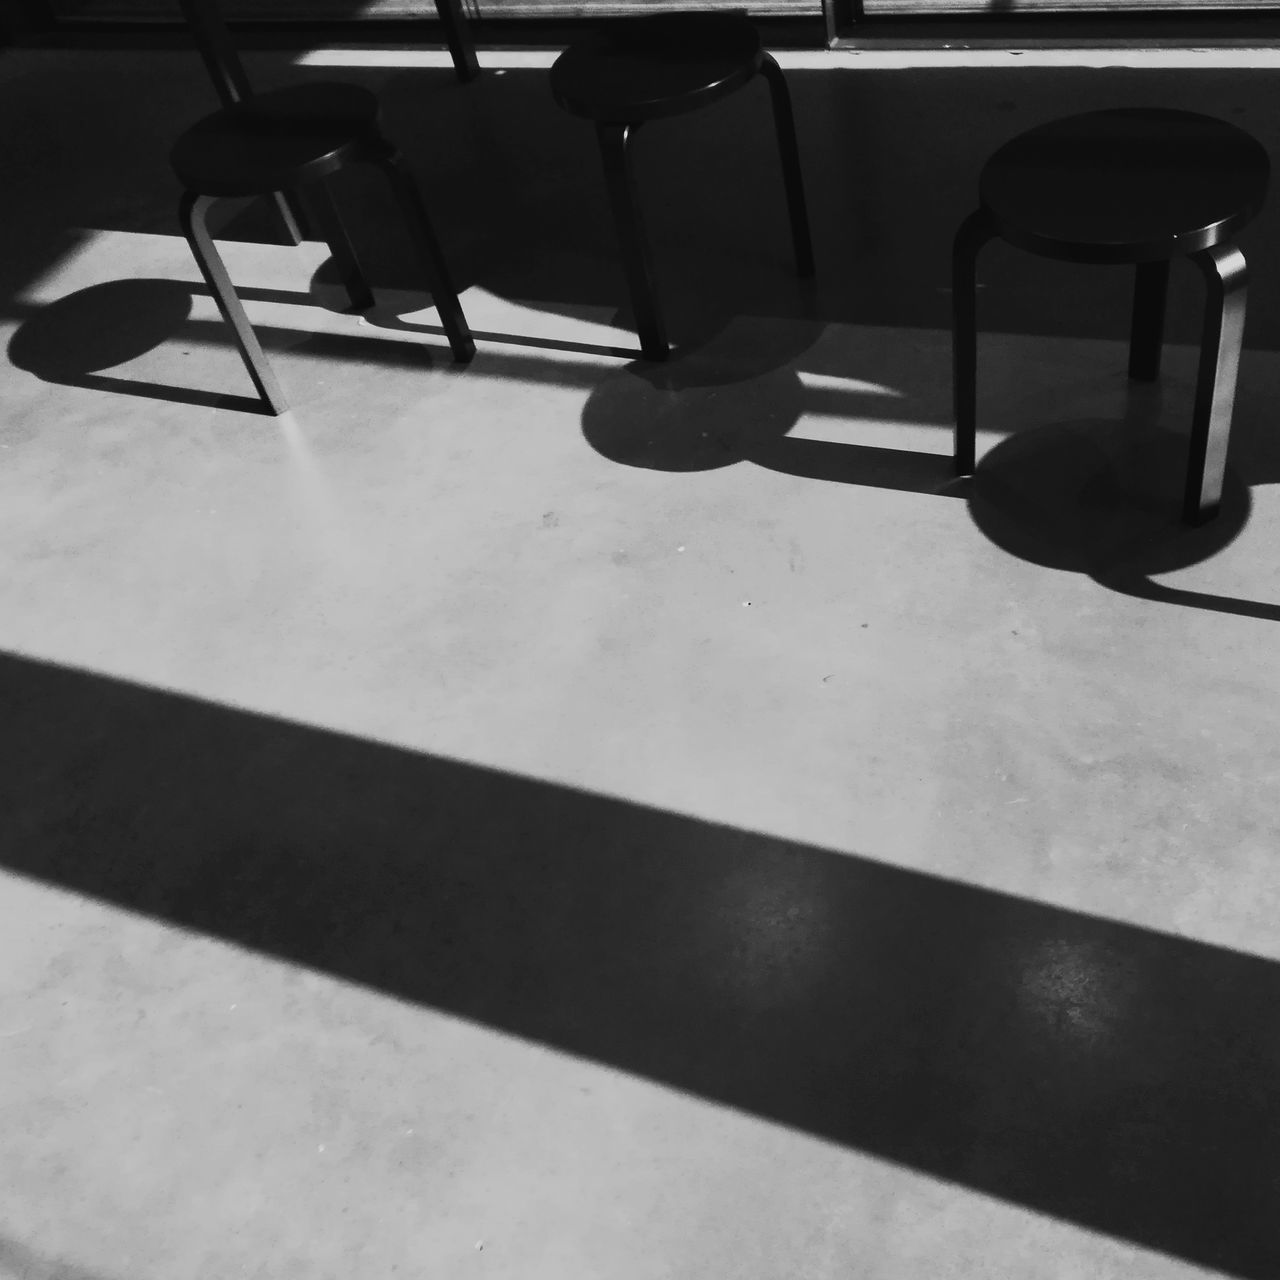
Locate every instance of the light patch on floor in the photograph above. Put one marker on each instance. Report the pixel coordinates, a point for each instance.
(401, 575)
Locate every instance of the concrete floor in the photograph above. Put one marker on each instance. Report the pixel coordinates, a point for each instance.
(569, 819)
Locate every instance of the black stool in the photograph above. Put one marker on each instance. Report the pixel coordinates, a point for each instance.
(639, 69)
(285, 139)
(1141, 186)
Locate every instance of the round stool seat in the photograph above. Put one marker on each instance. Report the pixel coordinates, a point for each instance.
(1131, 185)
(639, 69)
(276, 140)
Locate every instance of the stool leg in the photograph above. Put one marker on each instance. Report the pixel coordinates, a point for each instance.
(974, 232)
(1146, 335)
(785, 126)
(191, 214)
(340, 246)
(222, 62)
(443, 294)
(457, 36)
(1226, 278)
(615, 151)
(292, 220)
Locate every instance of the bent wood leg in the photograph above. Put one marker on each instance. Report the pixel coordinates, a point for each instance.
(222, 62)
(340, 246)
(785, 126)
(1146, 334)
(615, 151)
(443, 293)
(974, 232)
(1226, 278)
(192, 212)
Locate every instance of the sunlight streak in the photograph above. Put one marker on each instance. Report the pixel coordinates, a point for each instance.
(844, 57)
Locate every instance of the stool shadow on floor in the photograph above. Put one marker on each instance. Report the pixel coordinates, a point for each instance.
(738, 397)
(73, 340)
(1098, 497)
(385, 317)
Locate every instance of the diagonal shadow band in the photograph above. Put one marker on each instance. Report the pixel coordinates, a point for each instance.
(1111, 1076)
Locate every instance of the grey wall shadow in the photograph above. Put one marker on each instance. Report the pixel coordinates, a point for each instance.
(514, 184)
(1113, 1077)
(891, 159)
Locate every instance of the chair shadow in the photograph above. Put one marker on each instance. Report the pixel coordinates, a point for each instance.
(739, 395)
(1100, 497)
(1092, 496)
(72, 340)
(1097, 497)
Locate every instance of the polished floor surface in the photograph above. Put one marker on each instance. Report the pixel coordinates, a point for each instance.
(572, 819)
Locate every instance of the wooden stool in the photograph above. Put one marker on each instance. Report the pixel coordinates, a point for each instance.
(1134, 185)
(640, 69)
(289, 138)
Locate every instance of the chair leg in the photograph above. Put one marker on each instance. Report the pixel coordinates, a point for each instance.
(1226, 278)
(340, 246)
(974, 232)
(222, 62)
(293, 221)
(457, 36)
(443, 293)
(1146, 335)
(191, 214)
(784, 124)
(615, 150)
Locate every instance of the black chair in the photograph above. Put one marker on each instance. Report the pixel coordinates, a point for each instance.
(640, 69)
(286, 139)
(1138, 186)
